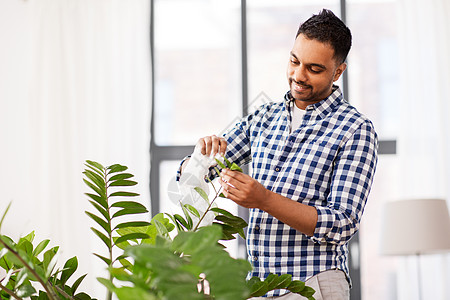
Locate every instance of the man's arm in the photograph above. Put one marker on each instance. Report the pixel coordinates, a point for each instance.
(336, 222)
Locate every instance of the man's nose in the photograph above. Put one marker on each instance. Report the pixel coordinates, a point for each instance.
(300, 74)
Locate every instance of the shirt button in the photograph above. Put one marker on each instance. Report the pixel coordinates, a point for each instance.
(257, 228)
(277, 169)
(255, 258)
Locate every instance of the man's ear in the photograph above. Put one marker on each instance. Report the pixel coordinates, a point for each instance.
(339, 70)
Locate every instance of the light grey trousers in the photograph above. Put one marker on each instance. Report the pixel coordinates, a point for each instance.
(329, 285)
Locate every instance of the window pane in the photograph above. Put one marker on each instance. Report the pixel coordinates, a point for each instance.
(373, 63)
(272, 26)
(197, 68)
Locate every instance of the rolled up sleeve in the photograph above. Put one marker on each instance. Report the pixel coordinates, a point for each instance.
(354, 168)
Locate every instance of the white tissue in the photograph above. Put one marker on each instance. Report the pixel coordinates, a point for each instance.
(194, 175)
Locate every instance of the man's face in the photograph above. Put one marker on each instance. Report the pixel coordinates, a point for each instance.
(311, 71)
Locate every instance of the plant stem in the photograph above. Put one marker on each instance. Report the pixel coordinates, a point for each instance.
(9, 292)
(50, 293)
(108, 292)
(207, 210)
(62, 292)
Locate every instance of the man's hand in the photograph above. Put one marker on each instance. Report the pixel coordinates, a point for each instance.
(249, 193)
(243, 189)
(211, 145)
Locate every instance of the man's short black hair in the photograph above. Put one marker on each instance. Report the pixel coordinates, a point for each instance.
(327, 28)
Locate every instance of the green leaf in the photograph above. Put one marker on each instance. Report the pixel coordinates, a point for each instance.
(229, 164)
(106, 260)
(164, 221)
(116, 168)
(95, 170)
(217, 170)
(77, 283)
(122, 245)
(101, 210)
(48, 256)
(69, 268)
(129, 204)
(99, 199)
(235, 167)
(131, 236)
(179, 228)
(226, 235)
(50, 267)
(202, 193)
(190, 223)
(26, 290)
(232, 221)
(132, 224)
(192, 210)
(307, 292)
(93, 187)
(272, 281)
(222, 211)
(259, 288)
(40, 247)
(129, 211)
(241, 233)
(29, 237)
(296, 286)
(284, 281)
(180, 220)
(26, 246)
(107, 283)
(4, 214)
(21, 277)
(95, 165)
(189, 243)
(121, 176)
(220, 164)
(119, 273)
(103, 237)
(133, 293)
(82, 296)
(161, 229)
(124, 194)
(105, 225)
(123, 183)
(96, 179)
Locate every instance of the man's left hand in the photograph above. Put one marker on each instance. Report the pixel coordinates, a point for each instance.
(243, 189)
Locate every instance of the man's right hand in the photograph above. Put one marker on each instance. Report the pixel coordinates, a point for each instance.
(211, 145)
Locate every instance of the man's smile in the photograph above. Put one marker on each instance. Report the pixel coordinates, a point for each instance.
(299, 87)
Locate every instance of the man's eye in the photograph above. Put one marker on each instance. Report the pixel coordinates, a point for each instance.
(315, 71)
(294, 62)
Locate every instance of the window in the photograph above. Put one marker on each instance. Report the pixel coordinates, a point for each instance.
(215, 60)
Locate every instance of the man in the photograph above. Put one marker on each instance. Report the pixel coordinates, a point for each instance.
(313, 158)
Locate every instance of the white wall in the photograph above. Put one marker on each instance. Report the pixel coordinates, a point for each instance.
(74, 85)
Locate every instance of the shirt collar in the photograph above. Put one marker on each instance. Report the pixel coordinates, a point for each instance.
(323, 107)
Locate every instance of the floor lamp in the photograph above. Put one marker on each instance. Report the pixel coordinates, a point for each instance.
(415, 227)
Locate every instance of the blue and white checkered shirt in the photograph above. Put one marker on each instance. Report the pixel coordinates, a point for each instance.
(328, 162)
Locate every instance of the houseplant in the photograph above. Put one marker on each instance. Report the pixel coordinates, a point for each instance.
(145, 260)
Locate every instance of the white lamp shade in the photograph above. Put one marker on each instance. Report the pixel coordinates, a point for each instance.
(415, 227)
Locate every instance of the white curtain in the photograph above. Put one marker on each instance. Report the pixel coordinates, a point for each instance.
(74, 85)
(424, 141)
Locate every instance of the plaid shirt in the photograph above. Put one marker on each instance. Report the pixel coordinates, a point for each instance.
(328, 162)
